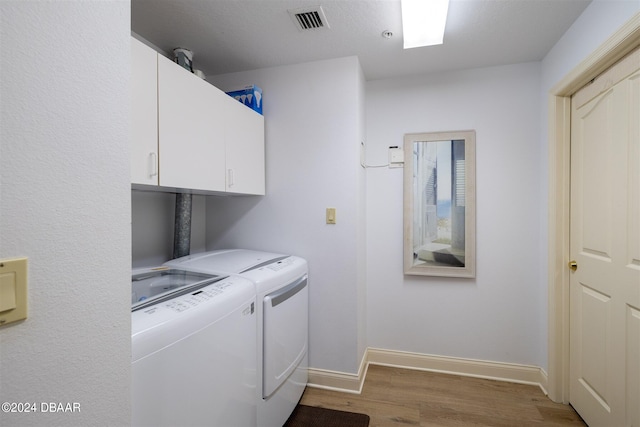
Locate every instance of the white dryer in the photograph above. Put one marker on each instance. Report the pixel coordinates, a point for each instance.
(282, 295)
(193, 342)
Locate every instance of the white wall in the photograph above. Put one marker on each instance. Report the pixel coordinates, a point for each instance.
(313, 123)
(592, 28)
(152, 226)
(65, 204)
(362, 224)
(496, 316)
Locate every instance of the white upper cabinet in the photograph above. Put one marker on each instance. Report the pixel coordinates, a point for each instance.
(144, 108)
(189, 135)
(190, 130)
(244, 149)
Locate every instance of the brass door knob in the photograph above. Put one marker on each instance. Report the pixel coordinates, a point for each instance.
(573, 265)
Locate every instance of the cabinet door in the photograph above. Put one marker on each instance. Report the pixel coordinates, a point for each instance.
(191, 132)
(144, 114)
(245, 149)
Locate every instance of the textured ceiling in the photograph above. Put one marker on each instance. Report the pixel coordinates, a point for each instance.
(238, 35)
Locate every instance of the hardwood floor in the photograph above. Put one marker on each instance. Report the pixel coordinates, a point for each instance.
(401, 397)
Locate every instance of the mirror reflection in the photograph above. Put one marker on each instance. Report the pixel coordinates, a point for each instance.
(436, 172)
(438, 220)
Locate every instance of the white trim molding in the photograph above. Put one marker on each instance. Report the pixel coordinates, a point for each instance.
(352, 383)
(509, 372)
(612, 50)
(339, 381)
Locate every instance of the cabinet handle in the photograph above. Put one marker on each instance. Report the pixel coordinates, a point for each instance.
(154, 162)
(230, 177)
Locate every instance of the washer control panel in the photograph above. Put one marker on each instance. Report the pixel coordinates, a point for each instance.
(192, 299)
(279, 265)
(198, 297)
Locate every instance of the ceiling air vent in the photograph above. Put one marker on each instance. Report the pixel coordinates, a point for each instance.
(309, 19)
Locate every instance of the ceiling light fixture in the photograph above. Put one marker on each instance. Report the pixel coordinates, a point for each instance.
(423, 22)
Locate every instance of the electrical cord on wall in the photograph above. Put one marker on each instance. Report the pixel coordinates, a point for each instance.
(386, 165)
(363, 156)
(374, 166)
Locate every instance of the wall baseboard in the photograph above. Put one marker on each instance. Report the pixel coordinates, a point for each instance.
(340, 381)
(352, 383)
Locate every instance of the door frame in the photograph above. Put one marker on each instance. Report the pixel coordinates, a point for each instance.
(559, 143)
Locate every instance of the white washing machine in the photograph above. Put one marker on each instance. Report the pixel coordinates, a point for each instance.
(282, 297)
(193, 339)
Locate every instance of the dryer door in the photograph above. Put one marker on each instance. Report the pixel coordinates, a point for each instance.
(285, 336)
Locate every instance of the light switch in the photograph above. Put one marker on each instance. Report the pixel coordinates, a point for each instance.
(331, 215)
(13, 290)
(7, 291)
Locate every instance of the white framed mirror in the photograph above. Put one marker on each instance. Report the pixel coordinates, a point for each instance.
(440, 204)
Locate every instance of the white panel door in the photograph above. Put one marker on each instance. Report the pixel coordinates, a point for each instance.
(144, 114)
(605, 243)
(191, 134)
(244, 149)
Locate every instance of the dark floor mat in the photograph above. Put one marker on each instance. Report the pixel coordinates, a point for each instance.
(311, 416)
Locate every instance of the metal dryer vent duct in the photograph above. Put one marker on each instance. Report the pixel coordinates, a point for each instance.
(182, 226)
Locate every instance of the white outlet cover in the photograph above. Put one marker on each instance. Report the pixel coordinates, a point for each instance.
(396, 157)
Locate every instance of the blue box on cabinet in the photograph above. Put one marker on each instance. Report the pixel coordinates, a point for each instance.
(250, 95)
